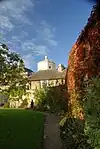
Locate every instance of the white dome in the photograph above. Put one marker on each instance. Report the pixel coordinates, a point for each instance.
(46, 65)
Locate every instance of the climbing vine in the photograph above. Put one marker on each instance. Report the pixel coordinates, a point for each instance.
(84, 58)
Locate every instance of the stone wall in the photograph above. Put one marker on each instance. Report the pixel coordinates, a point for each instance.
(34, 84)
(37, 84)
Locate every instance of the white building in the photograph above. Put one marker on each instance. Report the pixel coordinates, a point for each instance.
(47, 75)
(46, 64)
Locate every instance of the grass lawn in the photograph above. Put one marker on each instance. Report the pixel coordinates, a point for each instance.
(20, 129)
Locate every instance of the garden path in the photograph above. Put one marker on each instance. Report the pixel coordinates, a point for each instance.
(52, 132)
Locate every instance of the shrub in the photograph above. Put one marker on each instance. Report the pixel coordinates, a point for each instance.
(76, 104)
(72, 133)
(92, 112)
(24, 103)
(72, 124)
(50, 99)
(40, 96)
(84, 134)
(6, 105)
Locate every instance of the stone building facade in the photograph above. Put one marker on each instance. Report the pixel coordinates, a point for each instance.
(47, 75)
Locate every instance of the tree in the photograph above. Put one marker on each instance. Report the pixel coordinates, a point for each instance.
(12, 79)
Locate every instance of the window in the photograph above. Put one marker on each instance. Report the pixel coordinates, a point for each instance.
(43, 83)
(27, 86)
(50, 67)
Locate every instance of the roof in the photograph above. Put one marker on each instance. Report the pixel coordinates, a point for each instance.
(46, 59)
(28, 70)
(50, 61)
(47, 75)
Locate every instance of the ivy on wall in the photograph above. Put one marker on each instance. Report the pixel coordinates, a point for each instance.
(84, 59)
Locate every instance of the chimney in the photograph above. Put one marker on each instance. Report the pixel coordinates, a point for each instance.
(46, 58)
(60, 68)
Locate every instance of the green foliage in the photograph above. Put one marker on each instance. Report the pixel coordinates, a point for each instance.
(86, 61)
(24, 103)
(76, 106)
(72, 133)
(50, 99)
(12, 81)
(40, 95)
(6, 105)
(92, 112)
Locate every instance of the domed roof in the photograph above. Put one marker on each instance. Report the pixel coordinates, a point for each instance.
(46, 59)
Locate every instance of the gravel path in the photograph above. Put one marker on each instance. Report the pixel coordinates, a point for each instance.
(51, 132)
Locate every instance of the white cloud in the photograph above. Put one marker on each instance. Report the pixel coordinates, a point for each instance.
(28, 46)
(16, 41)
(42, 44)
(34, 48)
(23, 34)
(28, 60)
(5, 23)
(41, 50)
(46, 33)
(14, 9)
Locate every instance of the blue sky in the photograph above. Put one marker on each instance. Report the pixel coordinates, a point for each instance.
(35, 28)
